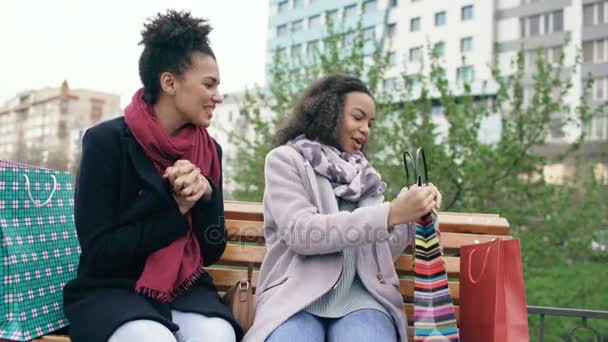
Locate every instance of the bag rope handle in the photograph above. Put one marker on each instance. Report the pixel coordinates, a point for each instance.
(29, 191)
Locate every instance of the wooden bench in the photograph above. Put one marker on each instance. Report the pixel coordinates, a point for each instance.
(244, 222)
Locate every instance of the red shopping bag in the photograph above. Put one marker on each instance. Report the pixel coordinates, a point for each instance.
(492, 295)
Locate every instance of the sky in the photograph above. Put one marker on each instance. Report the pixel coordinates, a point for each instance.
(94, 44)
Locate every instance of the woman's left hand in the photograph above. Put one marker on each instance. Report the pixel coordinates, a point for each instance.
(187, 181)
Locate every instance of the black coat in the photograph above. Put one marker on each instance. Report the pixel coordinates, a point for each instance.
(124, 211)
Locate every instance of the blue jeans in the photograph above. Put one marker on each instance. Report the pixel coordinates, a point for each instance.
(366, 325)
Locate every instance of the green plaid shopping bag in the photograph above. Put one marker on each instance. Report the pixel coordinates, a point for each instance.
(39, 249)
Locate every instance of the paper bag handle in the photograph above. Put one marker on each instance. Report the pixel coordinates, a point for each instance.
(483, 267)
(29, 191)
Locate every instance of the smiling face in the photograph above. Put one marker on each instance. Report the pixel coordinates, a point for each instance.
(196, 90)
(357, 119)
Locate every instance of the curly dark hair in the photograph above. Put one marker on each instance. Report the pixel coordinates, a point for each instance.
(169, 40)
(318, 112)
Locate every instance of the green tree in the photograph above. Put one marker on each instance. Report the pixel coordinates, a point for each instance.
(264, 109)
(502, 176)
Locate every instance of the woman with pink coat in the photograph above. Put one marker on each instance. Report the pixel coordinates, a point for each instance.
(331, 239)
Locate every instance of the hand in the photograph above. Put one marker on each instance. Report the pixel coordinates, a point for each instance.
(179, 169)
(413, 203)
(188, 184)
(438, 196)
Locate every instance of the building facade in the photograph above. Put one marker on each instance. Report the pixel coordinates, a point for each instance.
(467, 35)
(44, 127)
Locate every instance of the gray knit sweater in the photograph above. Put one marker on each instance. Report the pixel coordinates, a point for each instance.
(349, 294)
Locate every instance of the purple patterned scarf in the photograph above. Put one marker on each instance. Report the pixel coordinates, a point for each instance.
(350, 175)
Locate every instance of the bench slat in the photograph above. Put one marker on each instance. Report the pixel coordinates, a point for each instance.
(242, 255)
(449, 221)
(244, 231)
(252, 231)
(238, 210)
(247, 255)
(52, 338)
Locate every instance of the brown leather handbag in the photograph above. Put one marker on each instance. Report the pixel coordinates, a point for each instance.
(239, 298)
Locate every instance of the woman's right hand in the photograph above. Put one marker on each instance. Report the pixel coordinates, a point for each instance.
(412, 204)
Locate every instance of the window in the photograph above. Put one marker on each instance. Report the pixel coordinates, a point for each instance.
(391, 30)
(415, 54)
(369, 6)
(466, 13)
(554, 54)
(282, 52)
(588, 52)
(96, 109)
(312, 47)
(600, 87)
(415, 24)
(466, 44)
(389, 84)
(439, 49)
(588, 15)
(597, 127)
(464, 73)
(369, 33)
(283, 5)
(349, 37)
(600, 128)
(595, 14)
(542, 24)
(558, 21)
(332, 16)
(534, 25)
(556, 127)
(547, 21)
(314, 22)
(64, 106)
(413, 80)
(298, 3)
(350, 11)
(296, 51)
(297, 25)
(392, 58)
(600, 50)
(531, 58)
(440, 18)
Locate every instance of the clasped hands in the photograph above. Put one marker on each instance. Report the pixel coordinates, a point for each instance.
(188, 184)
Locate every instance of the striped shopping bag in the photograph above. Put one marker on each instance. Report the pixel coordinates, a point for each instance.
(434, 318)
(39, 249)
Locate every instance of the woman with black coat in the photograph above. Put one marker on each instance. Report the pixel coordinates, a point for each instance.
(149, 209)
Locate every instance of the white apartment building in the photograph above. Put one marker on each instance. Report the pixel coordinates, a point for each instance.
(46, 125)
(466, 34)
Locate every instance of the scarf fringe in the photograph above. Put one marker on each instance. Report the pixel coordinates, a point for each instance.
(166, 297)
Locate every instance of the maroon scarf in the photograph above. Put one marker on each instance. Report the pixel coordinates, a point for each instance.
(174, 268)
